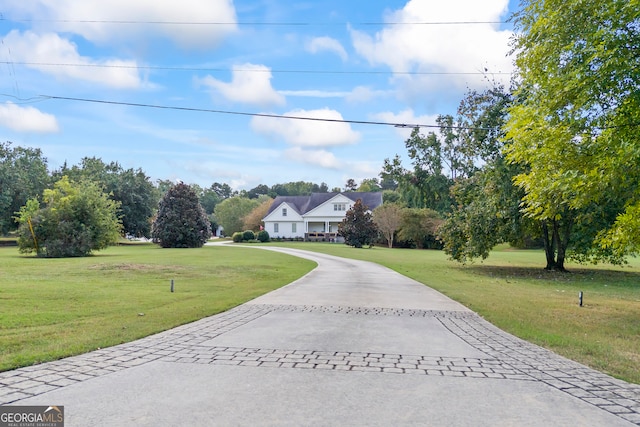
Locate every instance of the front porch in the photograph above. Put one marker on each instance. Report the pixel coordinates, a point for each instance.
(321, 231)
(321, 237)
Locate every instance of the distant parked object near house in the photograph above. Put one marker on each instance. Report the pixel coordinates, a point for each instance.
(315, 217)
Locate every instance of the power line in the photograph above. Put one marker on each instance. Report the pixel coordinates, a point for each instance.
(276, 116)
(264, 24)
(240, 113)
(249, 70)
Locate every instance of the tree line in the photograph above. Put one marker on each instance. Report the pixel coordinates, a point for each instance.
(87, 206)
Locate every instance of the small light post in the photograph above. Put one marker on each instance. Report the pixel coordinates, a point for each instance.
(580, 298)
(172, 290)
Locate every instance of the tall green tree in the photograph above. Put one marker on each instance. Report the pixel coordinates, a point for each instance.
(358, 228)
(253, 220)
(481, 116)
(425, 186)
(369, 185)
(162, 186)
(231, 212)
(350, 185)
(574, 127)
(75, 219)
(487, 203)
(132, 188)
(224, 191)
(138, 200)
(487, 213)
(209, 199)
(298, 188)
(181, 221)
(258, 191)
(420, 228)
(23, 175)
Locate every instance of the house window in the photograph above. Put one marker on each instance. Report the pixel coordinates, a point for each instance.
(275, 228)
(294, 227)
(339, 207)
(284, 211)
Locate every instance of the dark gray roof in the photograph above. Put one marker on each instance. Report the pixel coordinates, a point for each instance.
(304, 204)
(371, 200)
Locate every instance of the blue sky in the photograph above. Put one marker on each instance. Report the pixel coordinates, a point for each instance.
(338, 60)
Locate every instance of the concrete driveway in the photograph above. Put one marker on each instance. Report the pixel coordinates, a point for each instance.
(349, 344)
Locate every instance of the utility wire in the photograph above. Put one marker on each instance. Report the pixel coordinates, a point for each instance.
(249, 70)
(275, 116)
(264, 24)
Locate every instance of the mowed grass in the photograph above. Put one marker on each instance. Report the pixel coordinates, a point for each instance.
(512, 290)
(53, 308)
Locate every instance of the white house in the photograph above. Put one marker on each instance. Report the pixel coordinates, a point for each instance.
(314, 217)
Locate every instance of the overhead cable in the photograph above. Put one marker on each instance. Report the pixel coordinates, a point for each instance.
(275, 116)
(264, 24)
(249, 70)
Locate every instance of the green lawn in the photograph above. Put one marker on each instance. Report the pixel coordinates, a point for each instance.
(513, 291)
(52, 308)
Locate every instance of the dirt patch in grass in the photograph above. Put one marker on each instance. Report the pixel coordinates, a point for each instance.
(633, 357)
(134, 267)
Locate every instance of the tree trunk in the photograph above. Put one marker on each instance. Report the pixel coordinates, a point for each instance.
(556, 243)
(549, 247)
(563, 243)
(561, 249)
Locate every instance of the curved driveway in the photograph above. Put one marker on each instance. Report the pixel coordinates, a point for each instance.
(351, 343)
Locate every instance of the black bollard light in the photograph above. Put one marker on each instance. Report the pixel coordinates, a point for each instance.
(172, 290)
(580, 298)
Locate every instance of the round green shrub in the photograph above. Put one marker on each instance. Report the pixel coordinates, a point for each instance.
(237, 237)
(263, 236)
(181, 221)
(248, 235)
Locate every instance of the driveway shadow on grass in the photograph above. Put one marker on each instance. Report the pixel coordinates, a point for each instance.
(626, 279)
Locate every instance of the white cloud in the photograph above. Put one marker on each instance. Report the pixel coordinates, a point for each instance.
(408, 118)
(322, 158)
(440, 48)
(314, 93)
(327, 160)
(87, 18)
(50, 48)
(27, 119)
(251, 84)
(361, 170)
(214, 171)
(307, 133)
(362, 94)
(320, 44)
(358, 95)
